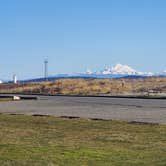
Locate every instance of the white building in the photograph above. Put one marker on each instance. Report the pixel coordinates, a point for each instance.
(14, 79)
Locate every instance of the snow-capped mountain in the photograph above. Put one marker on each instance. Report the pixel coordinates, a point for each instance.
(121, 69)
(163, 73)
(89, 71)
(117, 71)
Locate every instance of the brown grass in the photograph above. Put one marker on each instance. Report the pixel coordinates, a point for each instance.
(89, 86)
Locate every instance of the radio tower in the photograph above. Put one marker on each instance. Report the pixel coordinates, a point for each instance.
(46, 70)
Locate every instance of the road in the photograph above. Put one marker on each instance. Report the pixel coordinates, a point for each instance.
(140, 110)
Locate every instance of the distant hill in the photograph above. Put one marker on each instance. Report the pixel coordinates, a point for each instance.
(90, 86)
(83, 76)
(117, 71)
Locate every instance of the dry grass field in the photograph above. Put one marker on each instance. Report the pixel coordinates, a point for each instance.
(145, 86)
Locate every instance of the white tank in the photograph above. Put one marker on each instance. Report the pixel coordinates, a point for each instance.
(14, 79)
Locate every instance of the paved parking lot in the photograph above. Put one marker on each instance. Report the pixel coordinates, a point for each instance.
(141, 110)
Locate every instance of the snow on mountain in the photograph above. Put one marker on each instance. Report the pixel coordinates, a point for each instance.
(123, 69)
(163, 72)
(88, 72)
(120, 69)
(148, 74)
(106, 71)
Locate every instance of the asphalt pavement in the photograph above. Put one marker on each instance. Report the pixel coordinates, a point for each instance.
(124, 109)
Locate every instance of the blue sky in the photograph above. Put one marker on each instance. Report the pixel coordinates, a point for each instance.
(76, 35)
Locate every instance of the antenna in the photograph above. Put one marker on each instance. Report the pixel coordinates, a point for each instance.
(46, 70)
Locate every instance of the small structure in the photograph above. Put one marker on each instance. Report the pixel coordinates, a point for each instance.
(14, 79)
(46, 70)
(16, 98)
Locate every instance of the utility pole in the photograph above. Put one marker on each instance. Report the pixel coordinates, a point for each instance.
(46, 70)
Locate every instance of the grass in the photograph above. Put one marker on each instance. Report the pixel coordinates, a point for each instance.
(90, 86)
(50, 141)
(6, 99)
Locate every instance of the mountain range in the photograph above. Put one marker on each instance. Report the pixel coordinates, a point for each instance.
(120, 69)
(117, 71)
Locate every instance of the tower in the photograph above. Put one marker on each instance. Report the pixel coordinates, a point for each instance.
(46, 70)
(14, 79)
